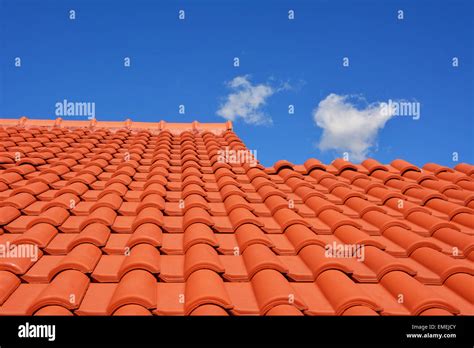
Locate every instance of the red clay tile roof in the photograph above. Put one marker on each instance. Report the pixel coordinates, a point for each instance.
(143, 219)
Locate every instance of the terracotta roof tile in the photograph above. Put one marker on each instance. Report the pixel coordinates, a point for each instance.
(205, 287)
(133, 218)
(54, 310)
(280, 293)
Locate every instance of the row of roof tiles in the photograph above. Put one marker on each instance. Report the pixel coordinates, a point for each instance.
(128, 124)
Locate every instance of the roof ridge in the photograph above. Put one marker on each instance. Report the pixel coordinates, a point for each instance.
(128, 124)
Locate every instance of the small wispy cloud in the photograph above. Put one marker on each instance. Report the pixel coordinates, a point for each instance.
(347, 128)
(246, 100)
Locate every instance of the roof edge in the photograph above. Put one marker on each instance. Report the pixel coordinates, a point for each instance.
(128, 124)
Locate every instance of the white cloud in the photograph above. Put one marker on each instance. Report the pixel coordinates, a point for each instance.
(347, 128)
(245, 101)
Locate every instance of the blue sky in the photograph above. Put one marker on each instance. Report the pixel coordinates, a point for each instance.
(282, 62)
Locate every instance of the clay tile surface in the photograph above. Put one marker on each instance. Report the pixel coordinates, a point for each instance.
(174, 230)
